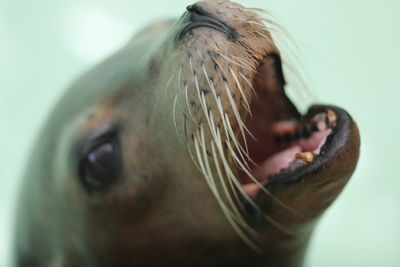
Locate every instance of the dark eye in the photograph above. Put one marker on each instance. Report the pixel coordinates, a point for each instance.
(100, 166)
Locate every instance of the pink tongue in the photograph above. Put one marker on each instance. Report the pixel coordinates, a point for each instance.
(275, 163)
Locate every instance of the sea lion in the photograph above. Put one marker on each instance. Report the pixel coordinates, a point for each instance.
(182, 149)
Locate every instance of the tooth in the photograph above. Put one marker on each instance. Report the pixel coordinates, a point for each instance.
(331, 118)
(308, 157)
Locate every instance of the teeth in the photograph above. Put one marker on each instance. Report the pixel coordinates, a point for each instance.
(308, 157)
(331, 118)
(304, 131)
(290, 132)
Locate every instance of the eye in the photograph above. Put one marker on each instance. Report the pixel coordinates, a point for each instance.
(100, 165)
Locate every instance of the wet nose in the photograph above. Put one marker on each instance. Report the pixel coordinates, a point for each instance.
(197, 9)
(201, 16)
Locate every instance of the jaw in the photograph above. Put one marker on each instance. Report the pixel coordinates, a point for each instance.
(302, 160)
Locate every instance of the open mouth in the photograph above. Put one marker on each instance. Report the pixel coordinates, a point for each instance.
(270, 148)
(286, 145)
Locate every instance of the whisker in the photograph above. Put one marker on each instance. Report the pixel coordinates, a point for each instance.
(228, 214)
(259, 184)
(247, 104)
(233, 62)
(249, 83)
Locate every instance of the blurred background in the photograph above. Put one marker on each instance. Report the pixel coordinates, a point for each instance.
(350, 52)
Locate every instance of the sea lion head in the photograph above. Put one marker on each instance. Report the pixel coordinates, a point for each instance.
(183, 148)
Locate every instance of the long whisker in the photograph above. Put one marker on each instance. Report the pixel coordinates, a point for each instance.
(235, 63)
(247, 104)
(214, 129)
(201, 156)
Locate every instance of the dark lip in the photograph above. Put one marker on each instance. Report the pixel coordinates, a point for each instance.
(198, 17)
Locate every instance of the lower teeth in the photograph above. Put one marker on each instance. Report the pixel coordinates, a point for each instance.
(307, 157)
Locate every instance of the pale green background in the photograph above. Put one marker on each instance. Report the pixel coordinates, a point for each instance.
(350, 51)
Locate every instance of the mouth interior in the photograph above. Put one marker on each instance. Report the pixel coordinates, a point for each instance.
(283, 140)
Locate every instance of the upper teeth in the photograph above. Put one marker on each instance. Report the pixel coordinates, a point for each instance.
(291, 132)
(331, 118)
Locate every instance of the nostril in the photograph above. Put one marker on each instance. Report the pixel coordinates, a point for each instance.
(190, 8)
(198, 17)
(196, 9)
